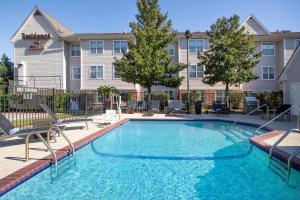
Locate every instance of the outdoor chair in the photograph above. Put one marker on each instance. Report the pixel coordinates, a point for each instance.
(60, 122)
(175, 105)
(282, 108)
(8, 130)
(109, 117)
(141, 105)
(220, 109)
(155, 105)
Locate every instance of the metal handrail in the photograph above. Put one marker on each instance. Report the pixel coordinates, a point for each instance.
(281, 139)
(66, 138)
(253, 111)
(45, 143)
(267, 123)
(291, 157)
(295, 153)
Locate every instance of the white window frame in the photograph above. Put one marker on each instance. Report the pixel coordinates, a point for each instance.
(295, 43)
(120, 46)
(72, 50)
(261, 48)
(97, 53)
(113, 70)
(96, 65)
(196, 71)
(72, 73)
(223, 95)
(171, 46)
(262, 73)
(197, 49)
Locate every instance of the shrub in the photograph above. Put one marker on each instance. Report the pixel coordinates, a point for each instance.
(236, 100)
(62, 102)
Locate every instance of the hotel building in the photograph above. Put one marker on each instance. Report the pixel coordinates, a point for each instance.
(49, 55)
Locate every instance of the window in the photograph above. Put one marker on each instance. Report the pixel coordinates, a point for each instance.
(268, 49)
(99, 97)
(75, 50)
(171, 49)
(115, 75)
(196, 71)
(76, 73)
(96, 47)
(268, 73)
(220, 96)
(120, 46)
(296, 43)
(96, 72)
(195, 46)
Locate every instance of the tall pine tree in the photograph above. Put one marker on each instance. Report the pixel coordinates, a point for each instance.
(147, 62)
(232, 55)
(6, 72)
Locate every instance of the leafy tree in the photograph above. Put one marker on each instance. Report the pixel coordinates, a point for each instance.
(232, 55)
(6, 72)
(147, 62)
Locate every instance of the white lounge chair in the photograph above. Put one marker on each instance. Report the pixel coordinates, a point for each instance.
(109, 116)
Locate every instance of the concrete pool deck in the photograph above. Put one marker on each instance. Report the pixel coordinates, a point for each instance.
(12, 152)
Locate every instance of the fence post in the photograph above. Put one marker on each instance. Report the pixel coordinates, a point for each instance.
(53, 99)
(86, 105)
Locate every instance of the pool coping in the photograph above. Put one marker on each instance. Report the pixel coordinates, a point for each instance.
(18, 177)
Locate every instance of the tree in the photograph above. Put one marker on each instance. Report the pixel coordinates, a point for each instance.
(6, 72)
(232, 55)
(108, 92)
(147, 62)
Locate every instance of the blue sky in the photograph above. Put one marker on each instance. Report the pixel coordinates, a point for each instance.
(115, 15)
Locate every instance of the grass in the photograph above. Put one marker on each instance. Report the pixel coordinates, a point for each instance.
(29, 121)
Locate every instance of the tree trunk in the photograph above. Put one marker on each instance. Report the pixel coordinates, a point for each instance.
(227, 94)
(149, 98)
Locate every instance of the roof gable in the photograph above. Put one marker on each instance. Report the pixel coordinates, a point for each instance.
(253, 26)
(59, 29)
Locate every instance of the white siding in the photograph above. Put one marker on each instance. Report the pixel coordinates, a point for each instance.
(48, 62)
(98, 59)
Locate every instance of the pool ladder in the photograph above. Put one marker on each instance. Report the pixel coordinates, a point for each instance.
(285, 166)
(47, 143)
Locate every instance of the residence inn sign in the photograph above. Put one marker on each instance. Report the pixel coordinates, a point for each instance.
(37, 37)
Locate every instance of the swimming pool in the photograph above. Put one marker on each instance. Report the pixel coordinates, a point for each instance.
(163, 160)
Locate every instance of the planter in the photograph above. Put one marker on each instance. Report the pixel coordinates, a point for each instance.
(107, 105)
(167, 110)
(130, 110)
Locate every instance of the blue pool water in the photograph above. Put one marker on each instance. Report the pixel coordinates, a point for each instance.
(163, 160)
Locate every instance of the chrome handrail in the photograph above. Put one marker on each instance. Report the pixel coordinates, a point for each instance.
(45, 143)
(253, 111)
(267, 123)
(281, 139)
(66, 138)
(292, 156)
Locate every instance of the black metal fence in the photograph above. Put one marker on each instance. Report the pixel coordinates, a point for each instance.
(21, 105)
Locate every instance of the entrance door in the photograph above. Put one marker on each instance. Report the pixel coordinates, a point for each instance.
(295, 98)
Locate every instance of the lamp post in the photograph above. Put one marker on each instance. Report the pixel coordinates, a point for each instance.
(188, 34)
